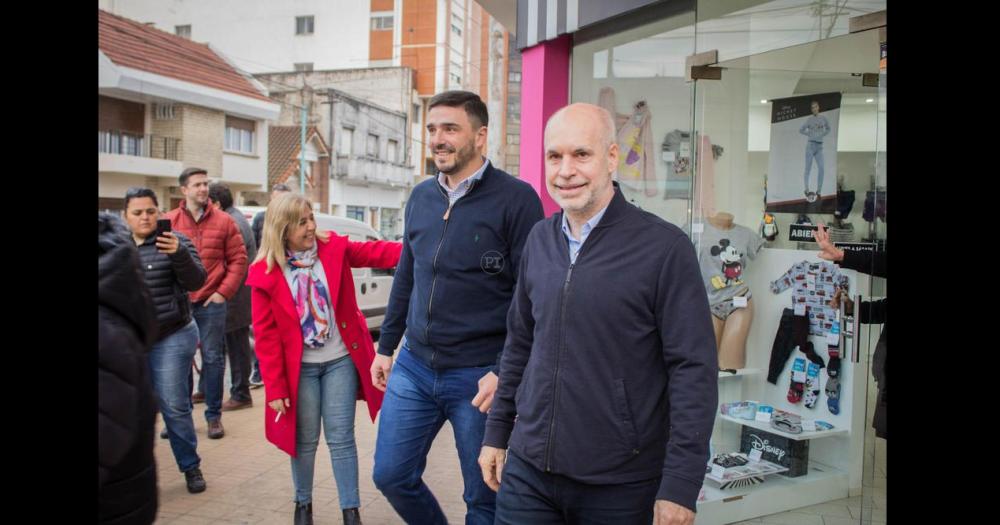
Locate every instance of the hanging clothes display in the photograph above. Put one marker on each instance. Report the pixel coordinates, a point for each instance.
(676, 152)
(636, 167)
(704, 198)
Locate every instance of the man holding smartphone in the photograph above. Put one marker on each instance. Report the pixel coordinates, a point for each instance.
(171, 268)
(220, 245)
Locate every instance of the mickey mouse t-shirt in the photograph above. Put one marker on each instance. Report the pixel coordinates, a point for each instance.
(722, 257)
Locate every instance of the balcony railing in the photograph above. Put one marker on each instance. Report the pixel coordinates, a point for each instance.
(373, 171)
(126, 143)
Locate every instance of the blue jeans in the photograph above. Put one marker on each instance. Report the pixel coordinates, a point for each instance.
(529, 495)
(329, 391)
(418, 400)
(814, 150)
(170, 368)
(211, 321)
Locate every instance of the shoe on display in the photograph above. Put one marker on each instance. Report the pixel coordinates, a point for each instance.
(811, 197)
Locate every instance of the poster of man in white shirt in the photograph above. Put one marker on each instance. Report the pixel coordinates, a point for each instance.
(802, 164)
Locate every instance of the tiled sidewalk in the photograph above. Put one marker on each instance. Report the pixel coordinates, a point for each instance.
(249, 480)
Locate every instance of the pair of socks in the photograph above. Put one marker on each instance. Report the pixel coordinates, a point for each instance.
(801, 380)
(811, 386)
(833, 381)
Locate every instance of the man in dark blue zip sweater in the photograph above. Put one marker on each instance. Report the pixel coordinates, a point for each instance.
(608, 379)
(452, 289)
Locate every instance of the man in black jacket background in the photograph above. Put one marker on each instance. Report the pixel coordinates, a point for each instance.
(126, 410)
(238, 317)
(608, 377)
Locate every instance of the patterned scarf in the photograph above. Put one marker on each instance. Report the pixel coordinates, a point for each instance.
(312, 300)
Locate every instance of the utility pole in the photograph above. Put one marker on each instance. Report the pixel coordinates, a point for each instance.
(302, 149)
(302, 136)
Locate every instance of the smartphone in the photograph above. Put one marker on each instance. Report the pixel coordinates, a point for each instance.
(162, 225)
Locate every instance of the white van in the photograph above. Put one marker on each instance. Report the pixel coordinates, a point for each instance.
(371, 286)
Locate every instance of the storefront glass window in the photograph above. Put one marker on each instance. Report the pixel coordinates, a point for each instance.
(736, 30)
(638, 75)
(791, 135)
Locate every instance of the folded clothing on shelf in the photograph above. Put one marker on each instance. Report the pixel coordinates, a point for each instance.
(733, 459)
(843, 234)
(739, 409)
(786, 422)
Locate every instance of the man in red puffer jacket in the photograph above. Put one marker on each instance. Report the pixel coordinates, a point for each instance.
(220, 245)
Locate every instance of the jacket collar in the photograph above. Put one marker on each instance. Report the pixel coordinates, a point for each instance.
(617, 210)
(204, 216)
(474, 181)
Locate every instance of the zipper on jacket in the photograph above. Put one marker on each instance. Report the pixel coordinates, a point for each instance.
(555, 374)
(559, 348)
(430, 298)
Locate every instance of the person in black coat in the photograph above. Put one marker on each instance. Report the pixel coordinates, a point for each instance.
(238, 316)
(126, 411)
(870, 312)
(171, 268)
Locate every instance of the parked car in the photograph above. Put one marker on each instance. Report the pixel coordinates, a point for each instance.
(371, 286)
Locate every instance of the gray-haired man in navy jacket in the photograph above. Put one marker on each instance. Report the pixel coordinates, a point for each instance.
(609, 366)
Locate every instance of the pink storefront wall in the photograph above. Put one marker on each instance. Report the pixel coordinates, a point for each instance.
(544, 89)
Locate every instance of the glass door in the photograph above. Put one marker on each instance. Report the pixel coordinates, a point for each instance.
(788, 139)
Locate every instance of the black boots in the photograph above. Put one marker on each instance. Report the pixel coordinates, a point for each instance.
(303, 514)
(352, 517)
(195, 481)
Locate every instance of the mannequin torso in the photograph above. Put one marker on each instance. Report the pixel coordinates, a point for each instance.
(731, 332)
(721, 220)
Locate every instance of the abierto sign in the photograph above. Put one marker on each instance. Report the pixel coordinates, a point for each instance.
(801, 233)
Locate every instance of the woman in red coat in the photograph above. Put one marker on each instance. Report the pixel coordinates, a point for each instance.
(313, 344)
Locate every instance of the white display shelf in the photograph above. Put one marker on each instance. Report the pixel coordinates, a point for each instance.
(741, 372)
(751, 469)
(766, 427)
(776, 494)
